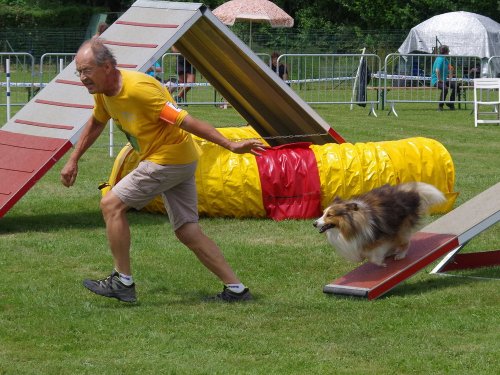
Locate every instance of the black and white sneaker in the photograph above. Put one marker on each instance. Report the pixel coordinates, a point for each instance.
(229, 296)
(111, 287)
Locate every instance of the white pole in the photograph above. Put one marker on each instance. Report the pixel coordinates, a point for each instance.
(7, 74)
(111, 153)
(61, 65)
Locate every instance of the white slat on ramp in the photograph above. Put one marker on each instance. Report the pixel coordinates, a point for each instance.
(444, 235)
(52, 121)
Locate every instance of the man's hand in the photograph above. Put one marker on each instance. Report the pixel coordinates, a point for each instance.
(251, 146)
(69, 173)
(206, 131)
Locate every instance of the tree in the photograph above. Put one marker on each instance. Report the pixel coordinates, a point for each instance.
(325, 15)
(403, 14)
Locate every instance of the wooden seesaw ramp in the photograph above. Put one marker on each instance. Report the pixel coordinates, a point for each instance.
(447, 235)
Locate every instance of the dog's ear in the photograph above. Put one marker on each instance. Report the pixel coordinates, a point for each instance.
(337, 199)
(352, 206)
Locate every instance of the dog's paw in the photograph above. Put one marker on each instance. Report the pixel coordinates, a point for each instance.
(399, 256)
(378, 263)
(377, 258)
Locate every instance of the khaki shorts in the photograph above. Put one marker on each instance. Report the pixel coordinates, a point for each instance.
(175, 182)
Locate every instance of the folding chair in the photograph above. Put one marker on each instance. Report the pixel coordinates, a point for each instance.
(487, 92)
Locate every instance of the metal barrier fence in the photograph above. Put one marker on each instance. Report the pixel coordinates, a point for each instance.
(494, 67)
(353, 79)
(407, 79)
(25, 77)
(318, 78)
(333, 78)
(17, 79)
(51, 64)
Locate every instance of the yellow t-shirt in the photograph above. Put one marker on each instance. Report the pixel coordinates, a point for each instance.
(136, 111)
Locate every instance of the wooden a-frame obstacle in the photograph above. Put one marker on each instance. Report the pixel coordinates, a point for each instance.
(447, 235)
(33, 140)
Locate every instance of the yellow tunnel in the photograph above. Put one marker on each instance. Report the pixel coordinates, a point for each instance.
(229, 185)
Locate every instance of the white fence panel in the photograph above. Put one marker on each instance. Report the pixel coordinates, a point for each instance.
(407, 79)
(16, 80)
(333, 78)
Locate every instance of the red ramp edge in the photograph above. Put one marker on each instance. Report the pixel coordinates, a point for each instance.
(371, 281)
(24, 159)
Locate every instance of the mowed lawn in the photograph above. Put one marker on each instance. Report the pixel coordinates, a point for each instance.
(54, 237)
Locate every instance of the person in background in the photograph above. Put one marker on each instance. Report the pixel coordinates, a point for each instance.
(155, 71)
(186, 74)
(474, 72)
(102, 27)
(160, 132)
(442, 74)
(282, 69)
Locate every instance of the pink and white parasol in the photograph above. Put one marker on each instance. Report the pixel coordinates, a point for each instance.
(252, 11)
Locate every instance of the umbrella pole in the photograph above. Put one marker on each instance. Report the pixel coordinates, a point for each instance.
(250, 44)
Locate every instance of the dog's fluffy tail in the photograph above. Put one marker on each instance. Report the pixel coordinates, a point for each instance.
(429, 195)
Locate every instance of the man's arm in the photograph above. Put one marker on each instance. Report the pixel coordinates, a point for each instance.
(206, 131)
(91, 132)
(438, 75)
(438, 71)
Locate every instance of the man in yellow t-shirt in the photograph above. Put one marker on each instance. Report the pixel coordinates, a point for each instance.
(160, 132)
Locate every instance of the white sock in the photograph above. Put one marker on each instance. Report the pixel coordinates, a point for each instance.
(236, 288)
(126, 279)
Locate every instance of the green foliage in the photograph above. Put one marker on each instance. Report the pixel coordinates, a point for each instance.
(401, 14)
(17, 16)
(308, 15)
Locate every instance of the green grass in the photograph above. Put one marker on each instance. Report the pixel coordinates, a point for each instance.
(54, 237)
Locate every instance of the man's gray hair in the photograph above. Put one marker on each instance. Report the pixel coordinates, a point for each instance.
(102, 54)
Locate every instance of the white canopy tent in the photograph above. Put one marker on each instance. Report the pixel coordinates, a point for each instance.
(467, 34)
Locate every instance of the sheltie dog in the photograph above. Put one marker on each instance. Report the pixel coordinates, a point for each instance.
(377, 224)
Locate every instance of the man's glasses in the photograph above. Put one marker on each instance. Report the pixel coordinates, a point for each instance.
(86, 72)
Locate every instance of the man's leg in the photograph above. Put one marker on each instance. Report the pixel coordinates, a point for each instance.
(182, 206)
(114, 212)
(185, 78)
(190, 78)
(454, 89)
(181, 80)
(119, 284)
(191, 235)
(210, 256)
(181, 202)
(442, 94)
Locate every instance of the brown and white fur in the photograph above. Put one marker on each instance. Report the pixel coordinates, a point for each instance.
(378, 224)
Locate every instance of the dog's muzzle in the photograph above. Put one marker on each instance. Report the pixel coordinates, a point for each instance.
(323, 228)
